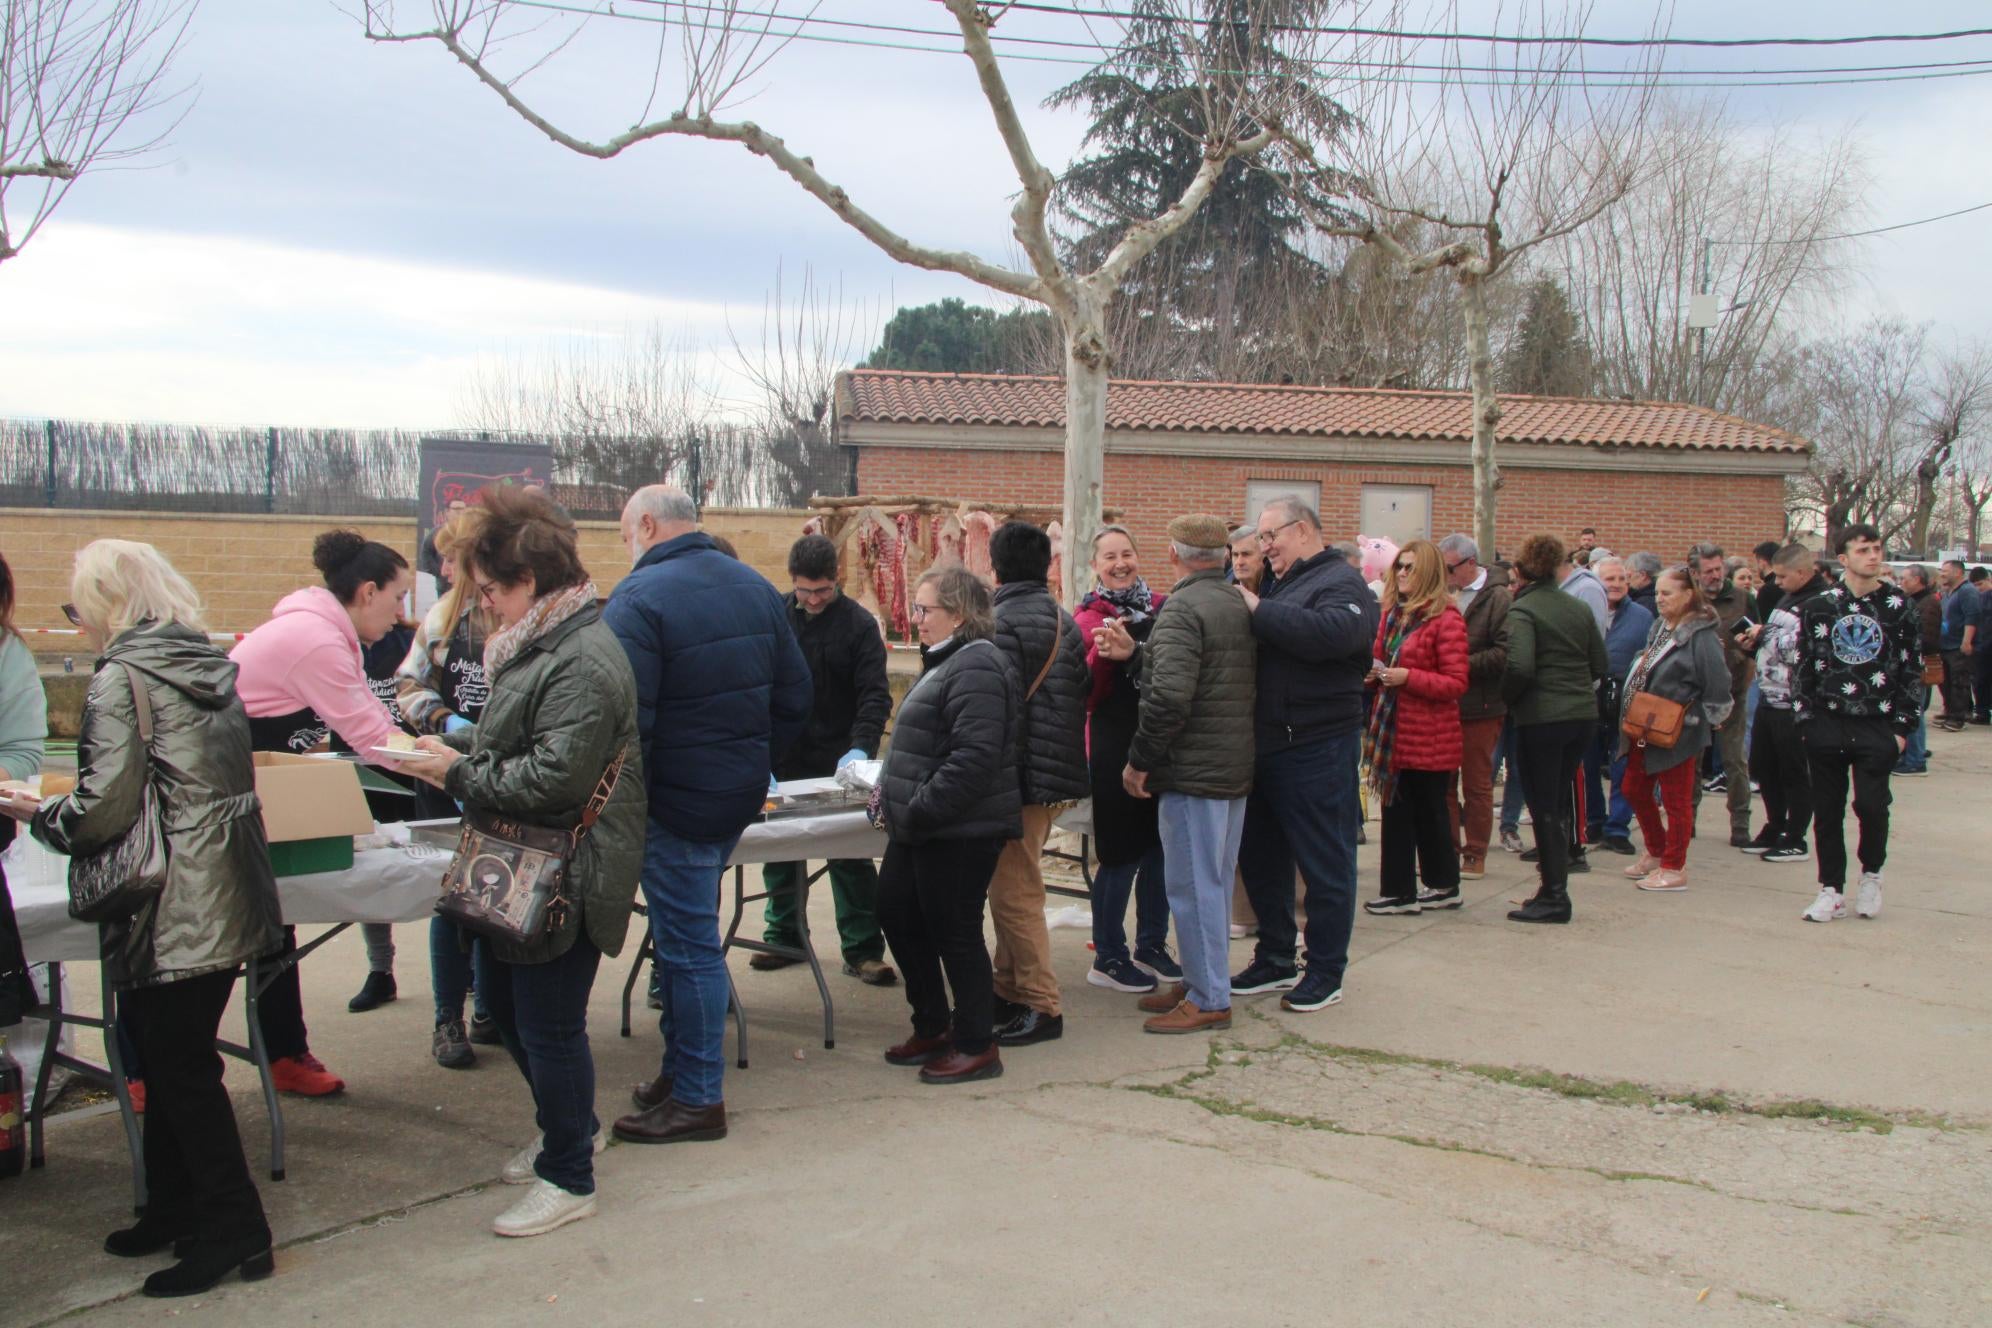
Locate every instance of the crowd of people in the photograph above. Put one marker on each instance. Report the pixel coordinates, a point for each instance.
(1231, 732)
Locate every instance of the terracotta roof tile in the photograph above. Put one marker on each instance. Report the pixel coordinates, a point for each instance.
(1017, 401)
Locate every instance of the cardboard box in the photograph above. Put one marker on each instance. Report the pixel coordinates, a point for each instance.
(312, 808)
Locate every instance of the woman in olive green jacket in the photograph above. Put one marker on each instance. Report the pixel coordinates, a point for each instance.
(562, 708)
(174, 960)
(1556, 655)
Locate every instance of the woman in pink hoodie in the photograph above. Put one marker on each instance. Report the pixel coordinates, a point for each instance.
(302, 680)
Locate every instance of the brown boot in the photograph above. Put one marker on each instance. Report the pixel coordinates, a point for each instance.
(652, 1094)
(917, 1050)
(1187, 1018)
(958, 1067)
(1472, 869)
(672, 1122)
(1163, 999)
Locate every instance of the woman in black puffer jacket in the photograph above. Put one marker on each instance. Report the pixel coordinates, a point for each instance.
(951, 801)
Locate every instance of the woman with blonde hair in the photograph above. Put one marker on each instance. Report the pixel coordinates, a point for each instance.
(442, 689)
(1414, 742)
(173, 961)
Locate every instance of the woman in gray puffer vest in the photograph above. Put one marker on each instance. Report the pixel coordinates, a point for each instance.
(173, 961)
(1682, 662)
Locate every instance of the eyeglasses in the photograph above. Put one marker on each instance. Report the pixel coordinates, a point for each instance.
(488, 591)
(1455, 566)
(1404, 567)
(918, 611)
(1268, 536)
(75, 618)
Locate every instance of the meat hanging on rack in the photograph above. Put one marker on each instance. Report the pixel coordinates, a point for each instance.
(1056, 577)
(978, 528)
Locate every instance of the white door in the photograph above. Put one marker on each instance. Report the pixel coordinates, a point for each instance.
(1398, 513)
(1260, 492)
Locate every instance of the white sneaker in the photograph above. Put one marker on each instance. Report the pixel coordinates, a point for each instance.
(545, 1207)
(1831, 906)
(519, 1171)
(1868, 902)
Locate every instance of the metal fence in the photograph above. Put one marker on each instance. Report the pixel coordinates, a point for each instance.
(374, 472)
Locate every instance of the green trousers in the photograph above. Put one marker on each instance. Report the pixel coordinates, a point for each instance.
(854, 890)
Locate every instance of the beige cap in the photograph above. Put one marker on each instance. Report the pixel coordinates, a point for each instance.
(1200, 530)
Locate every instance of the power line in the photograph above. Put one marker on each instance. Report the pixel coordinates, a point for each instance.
(1606, 79)
(1856, 235)
(995, 36)
(1524, 40)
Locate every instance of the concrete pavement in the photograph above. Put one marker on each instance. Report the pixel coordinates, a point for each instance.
(1675, 1095)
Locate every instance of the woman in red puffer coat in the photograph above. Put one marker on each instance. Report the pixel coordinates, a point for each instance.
(1413, 743)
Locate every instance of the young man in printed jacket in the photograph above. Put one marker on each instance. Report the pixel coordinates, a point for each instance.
(1855, 699)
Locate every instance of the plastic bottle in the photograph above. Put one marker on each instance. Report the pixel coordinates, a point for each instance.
(13, 1139)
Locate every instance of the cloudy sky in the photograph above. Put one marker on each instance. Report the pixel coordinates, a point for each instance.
(342, 232)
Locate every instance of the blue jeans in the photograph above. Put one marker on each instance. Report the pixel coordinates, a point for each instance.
(1916, 756)
(1618, 821)
(542, 1015)
(449, 970)
(1304, 810)
(1200, 838)
(681, 889)
(1513, 793)
(1111, 887)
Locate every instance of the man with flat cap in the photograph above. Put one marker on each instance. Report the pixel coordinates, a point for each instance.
(1193, 749)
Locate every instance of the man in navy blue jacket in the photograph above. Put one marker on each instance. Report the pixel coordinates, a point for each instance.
(721, 688)
(1315, 625)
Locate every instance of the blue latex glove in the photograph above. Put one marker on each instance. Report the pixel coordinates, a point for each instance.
(773, 783)
(457, 724)
(855, 754)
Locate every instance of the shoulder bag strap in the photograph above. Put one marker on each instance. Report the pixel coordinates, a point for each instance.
(1057, 636)
(604, 789)
(142, 703)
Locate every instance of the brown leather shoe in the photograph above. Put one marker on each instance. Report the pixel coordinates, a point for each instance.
(1187, 1018)
(1472, 869)
(652, 1094)
(672, 1122)
(1163, 999)
(768, 963)
(917, 1050)
(958, 1067)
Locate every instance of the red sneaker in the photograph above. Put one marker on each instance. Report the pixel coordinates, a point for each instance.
(305, 1076)
(136, 1089)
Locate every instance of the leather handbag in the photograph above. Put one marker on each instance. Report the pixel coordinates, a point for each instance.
(122, 877)
(1933, 670)
(508, 880)
(1651, 720)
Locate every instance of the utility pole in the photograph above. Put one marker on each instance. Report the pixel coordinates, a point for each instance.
(1701, 317)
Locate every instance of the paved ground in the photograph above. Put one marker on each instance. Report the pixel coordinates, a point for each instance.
(1679, 1109)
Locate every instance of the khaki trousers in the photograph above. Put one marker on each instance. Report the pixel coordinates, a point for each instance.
(1022, 961)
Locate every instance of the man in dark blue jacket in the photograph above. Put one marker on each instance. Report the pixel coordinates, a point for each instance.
(721, 687)
(1315, 627)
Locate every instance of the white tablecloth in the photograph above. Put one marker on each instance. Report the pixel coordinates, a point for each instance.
(400, 883)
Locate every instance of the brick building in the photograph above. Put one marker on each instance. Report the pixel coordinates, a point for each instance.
(1647, 475)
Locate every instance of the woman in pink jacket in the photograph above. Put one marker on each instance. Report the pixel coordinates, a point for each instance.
(302, 680)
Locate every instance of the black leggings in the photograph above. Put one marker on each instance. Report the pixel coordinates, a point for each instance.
(930, 899)
(1549, 755)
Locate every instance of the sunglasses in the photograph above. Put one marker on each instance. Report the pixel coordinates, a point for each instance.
(1405, 567)
(75, 618)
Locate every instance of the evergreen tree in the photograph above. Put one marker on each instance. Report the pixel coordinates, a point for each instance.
(953, 336)
(1195, 307)
(1547, 356)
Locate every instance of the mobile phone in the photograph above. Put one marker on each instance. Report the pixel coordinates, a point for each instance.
(1742, 626)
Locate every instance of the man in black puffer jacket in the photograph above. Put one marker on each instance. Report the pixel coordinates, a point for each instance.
(1315, 626)
(1044, 646)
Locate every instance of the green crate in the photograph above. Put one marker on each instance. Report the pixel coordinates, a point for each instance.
(305, 857)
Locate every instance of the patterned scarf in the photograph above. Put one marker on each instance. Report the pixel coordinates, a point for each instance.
(1380, 739)
(547, 613)
(1136, 603)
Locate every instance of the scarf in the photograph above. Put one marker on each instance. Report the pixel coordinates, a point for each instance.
(547, 613)
(1380, 739)
(1135, 604)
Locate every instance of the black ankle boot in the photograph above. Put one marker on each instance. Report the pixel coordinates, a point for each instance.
(207, 1262)
(1551, 904)
(148, 1235)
